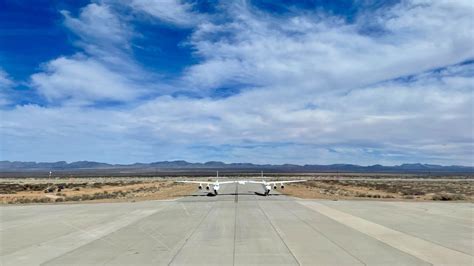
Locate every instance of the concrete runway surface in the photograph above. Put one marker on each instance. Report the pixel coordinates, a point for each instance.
(238, 227)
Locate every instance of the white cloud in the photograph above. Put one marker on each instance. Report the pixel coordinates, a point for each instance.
(5, 84)
(83, 80)
(5, 81)
(318, 53)
(428, 119)
(175, 12)
(101, 31)
(314, 90)
(104, 72)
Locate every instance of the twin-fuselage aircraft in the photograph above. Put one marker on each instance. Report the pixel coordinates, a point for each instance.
(267, 185)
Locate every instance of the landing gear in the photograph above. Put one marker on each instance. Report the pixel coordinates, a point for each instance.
(215, 192)
(267, 192)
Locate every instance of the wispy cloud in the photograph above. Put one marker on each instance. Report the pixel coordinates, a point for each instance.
(99, 28)
(319, 53)
(174, 12)
(5, 84)
(5, 81)
(103, 71)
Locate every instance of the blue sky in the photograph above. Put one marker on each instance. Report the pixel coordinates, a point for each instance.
(317, 82)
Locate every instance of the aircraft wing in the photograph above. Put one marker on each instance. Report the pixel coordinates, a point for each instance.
(284, 182)
(208, 182)
(272, 182)
(227, 182)
(253, 182)
(198, 182)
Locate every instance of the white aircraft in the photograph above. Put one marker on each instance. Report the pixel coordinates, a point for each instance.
(267, 185)
(215, 185)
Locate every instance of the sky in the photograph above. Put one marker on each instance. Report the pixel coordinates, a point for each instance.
(261, 81)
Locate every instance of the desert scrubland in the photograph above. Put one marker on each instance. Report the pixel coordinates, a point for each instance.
(388, 189)
(406, 187)
(89, 189)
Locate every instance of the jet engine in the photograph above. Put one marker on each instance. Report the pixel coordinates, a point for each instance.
(274, 187)
(200, 186)
(282, 186)
(207, 187)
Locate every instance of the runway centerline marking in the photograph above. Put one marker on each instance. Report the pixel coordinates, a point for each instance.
(236, 193)
(235, 226)
(420, 248)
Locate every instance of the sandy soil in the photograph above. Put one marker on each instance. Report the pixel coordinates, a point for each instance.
(383, 190)
(34, 192)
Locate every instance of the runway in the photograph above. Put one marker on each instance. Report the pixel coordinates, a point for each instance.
(239, 227)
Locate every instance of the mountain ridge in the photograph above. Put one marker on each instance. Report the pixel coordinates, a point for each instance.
(18, 166)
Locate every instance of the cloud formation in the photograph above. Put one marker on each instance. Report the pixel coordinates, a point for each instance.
(103, 71)
(393, 86)
(82, 80)
(175, 12)
(321, 53)
(5, 84)
(5, 81)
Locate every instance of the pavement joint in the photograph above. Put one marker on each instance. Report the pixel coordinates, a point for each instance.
(278, 233)
(191, 234)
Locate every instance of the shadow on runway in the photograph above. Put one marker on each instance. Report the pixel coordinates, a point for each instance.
(220, 194)
(250, 193)
(265, 195)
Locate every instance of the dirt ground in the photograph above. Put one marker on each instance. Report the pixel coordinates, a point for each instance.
(96, 190)
(418, 190)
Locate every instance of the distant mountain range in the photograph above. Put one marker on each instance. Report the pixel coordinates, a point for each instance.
(8, 166)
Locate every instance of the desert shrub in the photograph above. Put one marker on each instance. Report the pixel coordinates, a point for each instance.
(23, 200)
(86, 197)
(59, 200)
(448, 196)
(99, 195)
(41, 200)
(73, 198)
(97, 185)
(409, 197)
(76, 189)
(120, 193)
(49, 190)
